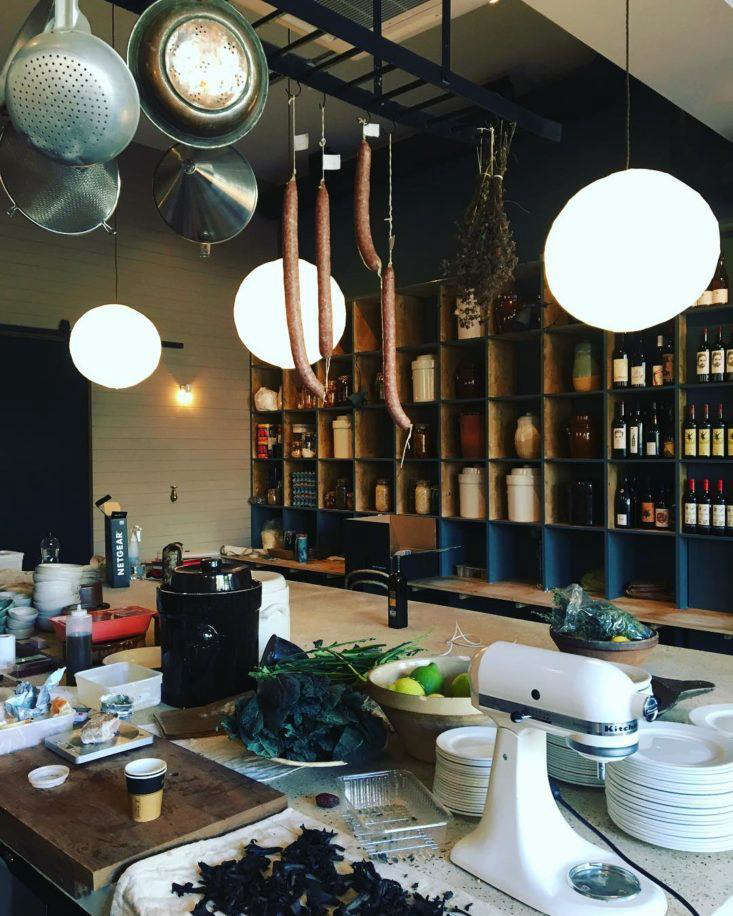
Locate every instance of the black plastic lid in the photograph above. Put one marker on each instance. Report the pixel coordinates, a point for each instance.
(210, 575)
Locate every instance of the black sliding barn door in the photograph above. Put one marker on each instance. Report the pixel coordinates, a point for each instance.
(45, 476)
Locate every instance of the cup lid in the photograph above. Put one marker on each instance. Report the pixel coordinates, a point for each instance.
(145, 767)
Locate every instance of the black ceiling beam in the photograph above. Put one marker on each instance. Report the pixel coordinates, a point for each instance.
(382, 49)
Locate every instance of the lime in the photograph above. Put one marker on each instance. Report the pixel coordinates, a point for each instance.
(436, 696)
(409, 686)
(461, 685)
(429, 677)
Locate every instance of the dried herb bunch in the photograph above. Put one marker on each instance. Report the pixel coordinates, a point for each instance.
(486, 255)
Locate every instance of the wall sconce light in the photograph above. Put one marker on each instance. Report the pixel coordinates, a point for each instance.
(185, 395)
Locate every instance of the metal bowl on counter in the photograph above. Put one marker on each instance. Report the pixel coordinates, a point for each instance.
(200, 69)
(632, 652)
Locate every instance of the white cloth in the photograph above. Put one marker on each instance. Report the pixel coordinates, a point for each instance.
(145, 888)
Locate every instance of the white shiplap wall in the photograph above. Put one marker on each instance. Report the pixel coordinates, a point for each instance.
(142, 440)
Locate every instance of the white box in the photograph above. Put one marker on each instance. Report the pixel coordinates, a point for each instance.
(142, 685)
(11, 559)
(20, 736)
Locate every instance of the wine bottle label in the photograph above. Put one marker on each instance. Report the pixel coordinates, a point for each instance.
(619, 438)
(706, 298)
(703, 515)
(690, 443)
(622, 519)
(719, 296)
(703, 443)
(718, 443)
(703, 362)
(717, 361)
(634, 439)
(638, 375)
(729, 359)
(621, 369)
(661, 518)
(730, 441)
(690, 514)
(668, 368)
(651, 448)
(718, 516)
(647, 513)
(657, 376)
(668, 448)
(729, 515)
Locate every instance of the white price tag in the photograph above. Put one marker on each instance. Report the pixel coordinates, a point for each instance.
(371, 129)
(301, 142)
(332, 162)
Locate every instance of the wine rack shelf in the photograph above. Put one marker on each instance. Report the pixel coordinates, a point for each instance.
(519, 372)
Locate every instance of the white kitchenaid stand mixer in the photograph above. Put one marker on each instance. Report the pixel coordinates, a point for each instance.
(523, 844)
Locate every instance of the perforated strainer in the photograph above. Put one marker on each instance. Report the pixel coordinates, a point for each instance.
(71, 95)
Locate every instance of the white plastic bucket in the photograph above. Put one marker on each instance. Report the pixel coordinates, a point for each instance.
(471, 495)
(423, 378)
(523, 495)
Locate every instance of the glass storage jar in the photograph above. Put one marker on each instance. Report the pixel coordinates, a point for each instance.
(422, 497)
(382, 494)
(421, 445)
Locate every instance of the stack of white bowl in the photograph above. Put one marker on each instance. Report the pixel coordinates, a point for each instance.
(21, 621)
(462, 768)
(569, 766)
(677, 790)
(56, 586)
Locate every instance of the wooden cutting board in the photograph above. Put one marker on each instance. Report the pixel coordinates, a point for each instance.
(81, 834)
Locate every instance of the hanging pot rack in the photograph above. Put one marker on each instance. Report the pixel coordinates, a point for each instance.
(387, 57)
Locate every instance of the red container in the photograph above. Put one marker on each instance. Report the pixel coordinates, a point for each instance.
(115, 623)
(471, 428)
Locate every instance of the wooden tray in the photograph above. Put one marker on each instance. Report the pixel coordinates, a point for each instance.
(81, 834)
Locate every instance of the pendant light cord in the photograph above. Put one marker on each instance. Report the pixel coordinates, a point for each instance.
(628, 93)
(116, 222)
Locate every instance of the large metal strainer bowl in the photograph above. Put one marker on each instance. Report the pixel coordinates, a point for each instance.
(200, 69)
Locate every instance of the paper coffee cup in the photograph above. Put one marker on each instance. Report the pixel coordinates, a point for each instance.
(144, 780)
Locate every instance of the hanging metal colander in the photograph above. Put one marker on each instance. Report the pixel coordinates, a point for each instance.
(66, 199)
(71, 95)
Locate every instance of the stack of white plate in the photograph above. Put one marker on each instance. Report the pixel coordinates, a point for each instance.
(677, 790)
(56, 585)
(462, 768)
(20, 621)
(569, 766)
(718, 716)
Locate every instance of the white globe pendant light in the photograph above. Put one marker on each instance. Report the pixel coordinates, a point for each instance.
(259, 313)
(115, 346)
(631, 250)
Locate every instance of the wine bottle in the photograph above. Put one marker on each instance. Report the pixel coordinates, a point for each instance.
(717, 357)
(729, 359)
(658, 363)
(718, 510)
(668, 361)
(689, 507)
(623, 505)
(729, 512)
(690, 433)
(668, 434)
(703, 358)
(618, 431)
(638, 365)
(706, 296)
(729, 435)
(703, 508)
(704, 428)
(717, 446)
(620, 362)
(719, 284)
(647, 505)
(635, 427)
(651, 434)
(661, 510)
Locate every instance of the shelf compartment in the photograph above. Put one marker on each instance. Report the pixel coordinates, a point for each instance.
(449, 487)
(452, 357)
(450, 419)
(328, 473)
(514, 366)
(301, 521)
(558, 480)
(373, 434)
(297, 465)
(558, 416)
(430, 416)
(416, 321)
(261, 515)
(503, 416)
(407, 478)
(570, 553)
(631, 559)
(498, 508)
(515, 553)
(469, 538)
(404, 377)
(696, 320)
(366, 475)
(709, 583)
(367, 324)
(658, 470)
(265, 474)
(559, 351)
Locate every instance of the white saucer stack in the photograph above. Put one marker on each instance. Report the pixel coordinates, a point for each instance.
(462, 768)
(677, 790)
(567, 765)
(56, 585)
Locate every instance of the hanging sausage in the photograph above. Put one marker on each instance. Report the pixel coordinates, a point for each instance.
(362, 218)
(323, 256)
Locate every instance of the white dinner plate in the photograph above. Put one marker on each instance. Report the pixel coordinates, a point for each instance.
(718, 716)
(677, 748)
(473, 743)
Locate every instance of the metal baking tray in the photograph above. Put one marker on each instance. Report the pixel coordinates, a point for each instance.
(392, 812)
(68, 744)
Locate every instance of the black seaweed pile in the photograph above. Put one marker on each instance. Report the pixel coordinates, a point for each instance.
(304, 881)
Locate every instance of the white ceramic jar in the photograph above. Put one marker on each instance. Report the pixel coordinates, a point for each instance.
(423, 378)
(343, 441)
(471, 493)
(523, 495)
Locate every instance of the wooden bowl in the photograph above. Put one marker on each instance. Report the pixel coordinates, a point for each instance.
(419, 720)
(633, 652)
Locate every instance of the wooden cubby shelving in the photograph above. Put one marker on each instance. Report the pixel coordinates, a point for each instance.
(520, 372)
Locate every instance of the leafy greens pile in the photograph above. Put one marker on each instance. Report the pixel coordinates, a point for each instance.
(304, 881)
(575, 613)
(307, 718)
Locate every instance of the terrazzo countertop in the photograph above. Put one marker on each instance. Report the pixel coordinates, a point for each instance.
(334, 614)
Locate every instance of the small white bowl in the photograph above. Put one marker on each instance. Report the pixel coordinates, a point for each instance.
(48, 777)
(22, 613)
(21, 600)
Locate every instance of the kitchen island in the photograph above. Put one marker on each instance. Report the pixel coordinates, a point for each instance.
(335, 614)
